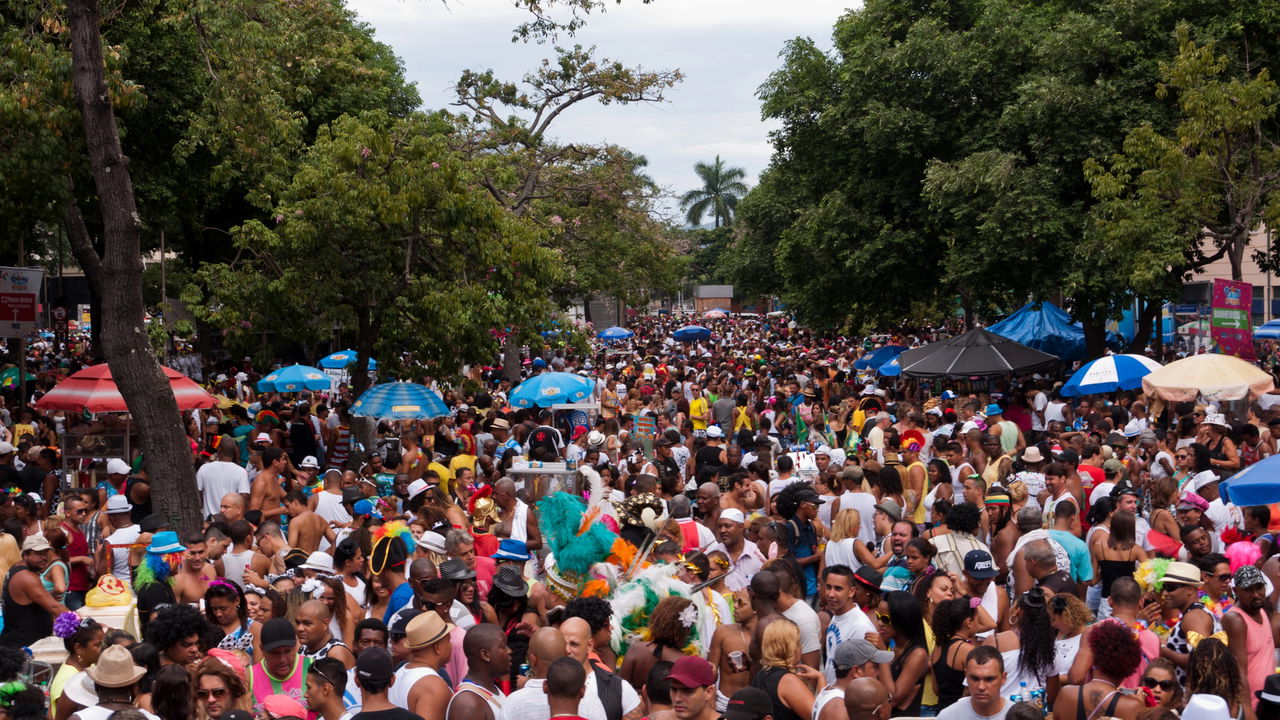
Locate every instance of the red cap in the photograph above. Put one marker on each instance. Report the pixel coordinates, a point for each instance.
(283, 706)
(579, 431)
(692, 672)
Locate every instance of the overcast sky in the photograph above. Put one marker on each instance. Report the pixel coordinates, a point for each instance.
(725, 48)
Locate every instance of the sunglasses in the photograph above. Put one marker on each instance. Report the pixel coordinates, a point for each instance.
(215, 694)
(1166, 685)
(883, 618)
(1224, 577)
(429, 605)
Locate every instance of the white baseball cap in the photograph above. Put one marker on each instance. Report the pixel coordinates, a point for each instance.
(115, 466)
(7, 448)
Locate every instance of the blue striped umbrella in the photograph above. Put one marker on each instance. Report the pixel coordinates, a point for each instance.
(294, 378)
(399, 401)
(550, 389)
(344, 358)
(1108, 374)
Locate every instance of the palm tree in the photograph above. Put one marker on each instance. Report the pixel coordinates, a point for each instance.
(722, 187)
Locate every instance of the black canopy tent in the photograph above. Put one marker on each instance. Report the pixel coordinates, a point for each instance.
(976, 353)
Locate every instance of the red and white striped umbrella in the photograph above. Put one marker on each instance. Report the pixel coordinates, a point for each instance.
(93, 389)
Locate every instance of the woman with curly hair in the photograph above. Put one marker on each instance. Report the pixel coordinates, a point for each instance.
(175, 632)
(1027, 649)
(218, 688)
(1212, 670)
(225, 607)
(1070, 616)
(670, 625)
(781, 675)
(1116, 655)
(955, 625)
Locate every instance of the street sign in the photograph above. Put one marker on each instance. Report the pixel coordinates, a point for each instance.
(19, 300)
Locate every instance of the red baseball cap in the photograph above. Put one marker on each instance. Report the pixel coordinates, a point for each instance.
(692, 672)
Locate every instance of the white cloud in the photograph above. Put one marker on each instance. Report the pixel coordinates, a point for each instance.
(725, 48)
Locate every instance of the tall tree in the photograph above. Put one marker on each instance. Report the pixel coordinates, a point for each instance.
(721, 189)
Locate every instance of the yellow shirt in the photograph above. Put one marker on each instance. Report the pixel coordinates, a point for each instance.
(445, 476)
(930, 696)
(697, 409)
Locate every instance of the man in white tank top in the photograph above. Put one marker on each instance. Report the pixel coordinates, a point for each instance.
(240, 554)
(328, 502)
(418, 686)
(119, 559)
(853, 659)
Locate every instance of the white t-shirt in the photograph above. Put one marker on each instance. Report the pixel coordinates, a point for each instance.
(962, 709)
(851, 625)
(120, 556)
(840, 552)
(216, 479)
(1157, 469)
(776, 486)
(1100, 491)
(527, 703)
(1038, 406)
(1055, 410)
(806, 618)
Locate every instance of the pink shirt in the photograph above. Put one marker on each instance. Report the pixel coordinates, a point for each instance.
(457, 665)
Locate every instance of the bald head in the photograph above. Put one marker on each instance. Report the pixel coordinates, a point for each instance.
(863, 696)
(316, 609)
(232, 506)
(577, 639)
(423, 569)
(485, 636)
(709, 488)
(546, 645)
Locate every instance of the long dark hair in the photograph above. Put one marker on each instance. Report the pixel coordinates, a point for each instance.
(171, 693)
(905, 618)
(949, 616)
(1036, 635)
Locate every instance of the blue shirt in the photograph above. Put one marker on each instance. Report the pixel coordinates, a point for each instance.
(399, 598)
(1078, 552)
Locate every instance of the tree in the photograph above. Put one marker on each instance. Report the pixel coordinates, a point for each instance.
(431, 264)
(125, 344)
(721, 189)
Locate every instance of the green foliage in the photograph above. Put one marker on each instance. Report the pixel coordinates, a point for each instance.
(384, 229)
(939, 151)
(596, 203)
(721, 189)
(709, 261)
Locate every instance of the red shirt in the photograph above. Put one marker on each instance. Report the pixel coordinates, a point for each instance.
(76, 545)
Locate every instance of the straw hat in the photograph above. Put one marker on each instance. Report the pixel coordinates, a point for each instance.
(115, 668)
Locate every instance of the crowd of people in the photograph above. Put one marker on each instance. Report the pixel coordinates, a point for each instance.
(746, 527)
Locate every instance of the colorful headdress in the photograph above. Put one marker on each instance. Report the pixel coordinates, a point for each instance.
(157, 567)
(1150, 574)
(267, 417)
(391, 543)
(912, 438)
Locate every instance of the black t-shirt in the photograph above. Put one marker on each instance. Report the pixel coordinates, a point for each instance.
(1059, 583)
(544, 437)
(30, 479)
(393, 714)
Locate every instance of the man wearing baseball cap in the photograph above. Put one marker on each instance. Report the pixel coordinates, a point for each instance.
(693, 692)
(979, 571)
(751, 703)
(1248, 627)
(374, 673)
(852, 659)
(28, 616)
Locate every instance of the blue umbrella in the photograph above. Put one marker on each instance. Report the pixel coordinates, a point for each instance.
(1108, 374)
(615, 333)
(550, 389)
(294, 378)
(399, 401)
(878, 357)
(890, 369)
(1258, 484)
(689, 333)
(344, 358)
(1268, 331)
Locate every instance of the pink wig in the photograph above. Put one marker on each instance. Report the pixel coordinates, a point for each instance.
(1242, 553)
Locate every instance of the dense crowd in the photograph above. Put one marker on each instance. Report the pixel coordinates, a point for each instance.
(743, 527)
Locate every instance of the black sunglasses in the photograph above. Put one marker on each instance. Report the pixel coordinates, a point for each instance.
(1166, 685)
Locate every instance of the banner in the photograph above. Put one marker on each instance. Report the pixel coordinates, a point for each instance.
(1229, 323)
(19, 300)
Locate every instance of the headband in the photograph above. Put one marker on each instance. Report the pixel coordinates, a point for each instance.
(998, 499)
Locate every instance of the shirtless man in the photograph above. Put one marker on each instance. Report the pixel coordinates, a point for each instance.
(193, 576)
(412, 462)
(730, 651)
(1004, 534)
(232, 507)
(742, 493)
(269, 559)
(266, 493)
(504, 496)
(306, 528)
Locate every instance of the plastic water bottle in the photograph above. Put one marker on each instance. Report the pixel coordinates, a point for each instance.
(1022, 690)
(1037, 697)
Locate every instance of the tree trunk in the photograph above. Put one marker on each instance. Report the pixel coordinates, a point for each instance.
(1143, 322)
(86, 256)
(1236, 254)
(1095, 337)
(137, 373)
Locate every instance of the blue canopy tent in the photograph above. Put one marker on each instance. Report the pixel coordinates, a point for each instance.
(878, 357)
(1045, 327)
